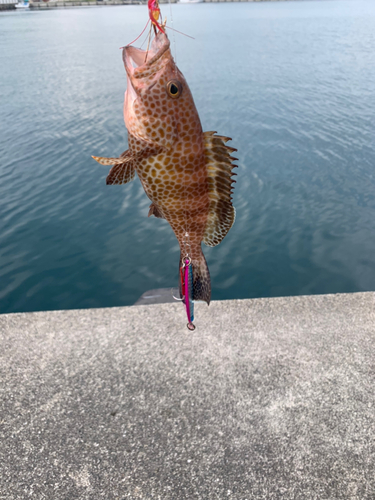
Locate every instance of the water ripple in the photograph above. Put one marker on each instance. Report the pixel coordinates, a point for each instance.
(291, 82)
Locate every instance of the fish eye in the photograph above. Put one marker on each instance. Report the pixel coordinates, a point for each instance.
(174, 89)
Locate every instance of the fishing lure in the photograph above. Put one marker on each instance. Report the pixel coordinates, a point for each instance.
(154, 14)
(186, 275)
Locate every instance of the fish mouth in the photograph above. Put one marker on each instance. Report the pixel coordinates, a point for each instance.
(139, 63)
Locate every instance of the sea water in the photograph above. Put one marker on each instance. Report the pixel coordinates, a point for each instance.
(293, 83)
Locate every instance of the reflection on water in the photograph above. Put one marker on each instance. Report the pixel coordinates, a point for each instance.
(291, 82)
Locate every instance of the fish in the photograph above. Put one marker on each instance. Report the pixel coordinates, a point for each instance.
(186, 173)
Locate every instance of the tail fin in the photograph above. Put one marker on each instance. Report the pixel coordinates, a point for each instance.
(201, 277)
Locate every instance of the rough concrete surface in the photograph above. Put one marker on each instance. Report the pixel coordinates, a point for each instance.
(266, 399)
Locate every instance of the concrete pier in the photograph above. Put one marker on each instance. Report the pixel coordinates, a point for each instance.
(266, 399)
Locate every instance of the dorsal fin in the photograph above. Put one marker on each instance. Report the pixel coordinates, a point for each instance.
(221, 213)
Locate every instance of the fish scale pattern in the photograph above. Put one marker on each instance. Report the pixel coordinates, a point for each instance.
(186, 173)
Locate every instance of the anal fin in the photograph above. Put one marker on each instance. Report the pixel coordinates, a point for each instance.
(221, 213)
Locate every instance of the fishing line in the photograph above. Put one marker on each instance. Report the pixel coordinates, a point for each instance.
(180, 32)
(174, 39)
(186, 244)
(148, 43)
(186, 269)
(144, 41)
(139, 36)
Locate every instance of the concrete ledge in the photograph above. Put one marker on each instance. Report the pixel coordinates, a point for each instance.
(266, 399)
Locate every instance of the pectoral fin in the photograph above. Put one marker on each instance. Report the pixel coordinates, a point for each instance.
(128, 156)
(221, 213)
(121, 173)
(125, 157)
(108, 161)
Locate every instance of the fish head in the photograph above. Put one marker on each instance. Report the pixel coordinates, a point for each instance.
(158, 100)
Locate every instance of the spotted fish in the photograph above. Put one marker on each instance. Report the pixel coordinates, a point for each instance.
(186, 173)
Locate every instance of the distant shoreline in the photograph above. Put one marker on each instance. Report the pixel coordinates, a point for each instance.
(67, 4)
(40, 5)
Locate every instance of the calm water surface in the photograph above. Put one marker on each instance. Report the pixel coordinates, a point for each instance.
(292, 82)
